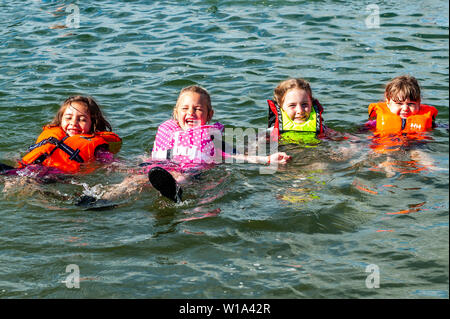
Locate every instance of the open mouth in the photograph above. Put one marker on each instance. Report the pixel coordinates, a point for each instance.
(73, 132)
(193, 122)
(299, 119)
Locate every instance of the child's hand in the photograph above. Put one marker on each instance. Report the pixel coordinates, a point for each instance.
(280, 158)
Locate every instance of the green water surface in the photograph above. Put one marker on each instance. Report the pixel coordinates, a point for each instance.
(308, 231)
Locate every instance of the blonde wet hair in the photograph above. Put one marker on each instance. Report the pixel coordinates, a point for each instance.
(194, 89)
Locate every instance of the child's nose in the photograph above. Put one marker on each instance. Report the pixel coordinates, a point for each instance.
(404, 106)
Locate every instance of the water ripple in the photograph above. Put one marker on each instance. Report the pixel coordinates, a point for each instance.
(308, 231)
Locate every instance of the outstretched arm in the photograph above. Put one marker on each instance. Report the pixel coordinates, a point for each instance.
(279, 157)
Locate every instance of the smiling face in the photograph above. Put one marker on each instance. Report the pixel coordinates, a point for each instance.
(403, 108)
(297, 104)
(192, 110)
(76, 119)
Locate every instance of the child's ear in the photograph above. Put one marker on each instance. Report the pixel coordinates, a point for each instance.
(174, 115)
(210, 115)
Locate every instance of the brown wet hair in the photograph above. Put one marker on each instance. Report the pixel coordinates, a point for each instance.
(402, 88)
(289, 84)
(99, 122)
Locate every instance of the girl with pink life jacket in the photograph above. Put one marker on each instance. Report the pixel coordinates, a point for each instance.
(188, 141)
(188, 148)
(184, 145)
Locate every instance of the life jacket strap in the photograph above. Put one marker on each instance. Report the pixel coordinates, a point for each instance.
(43, 142)
(74, 154)
(403, 123)
(319, 109)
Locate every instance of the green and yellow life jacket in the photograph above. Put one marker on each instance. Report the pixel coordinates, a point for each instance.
(289, 132)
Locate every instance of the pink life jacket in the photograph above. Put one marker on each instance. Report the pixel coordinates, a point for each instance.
(193, 146)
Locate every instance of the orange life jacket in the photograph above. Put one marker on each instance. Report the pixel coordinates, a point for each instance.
(392, 132)
(389, 123)
(56, 149)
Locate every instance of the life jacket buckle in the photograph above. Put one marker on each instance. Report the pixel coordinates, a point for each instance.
(75, 155)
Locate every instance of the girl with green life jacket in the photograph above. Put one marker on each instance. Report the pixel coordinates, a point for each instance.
(295, 116)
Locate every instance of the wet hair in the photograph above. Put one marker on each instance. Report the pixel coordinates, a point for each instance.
(99, 122)
(283, 87)
(402, 88)
(194, 89)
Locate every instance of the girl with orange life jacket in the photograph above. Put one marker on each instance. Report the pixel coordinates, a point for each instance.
(78, 134)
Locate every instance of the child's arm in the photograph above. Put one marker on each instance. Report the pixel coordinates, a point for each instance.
(279, 157)
(338, 136)
(103, 155)
(230, 152)
(328, 132)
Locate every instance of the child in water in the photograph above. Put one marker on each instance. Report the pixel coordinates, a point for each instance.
(296, 116)
(402, 111)
(185, 144)
(78, 134)
(189, 138)
(400, 119)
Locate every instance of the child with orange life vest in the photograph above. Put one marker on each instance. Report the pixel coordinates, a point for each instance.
(402, 111)
(185, 144)
(401, 118)
(78, 134)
